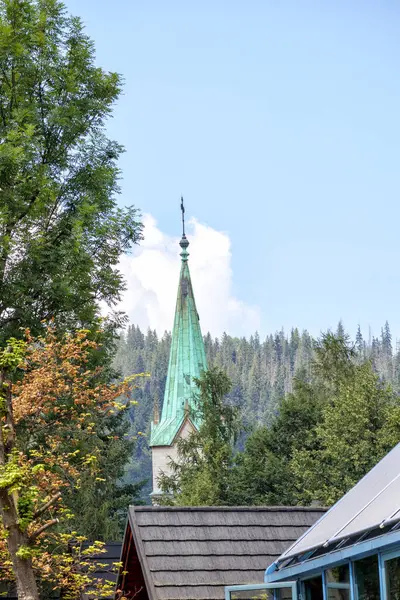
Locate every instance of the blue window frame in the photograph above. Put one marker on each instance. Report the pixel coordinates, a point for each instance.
(312, 587)
(337, 583)
(390, 575)
(368, 571)
(367, 578)
(371, 576)
(282, 590)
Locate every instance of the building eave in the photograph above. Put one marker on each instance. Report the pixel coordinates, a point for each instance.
(357, 551)
(160, 440)
(151, 590)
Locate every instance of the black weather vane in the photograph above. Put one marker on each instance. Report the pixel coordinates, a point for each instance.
(183, 217)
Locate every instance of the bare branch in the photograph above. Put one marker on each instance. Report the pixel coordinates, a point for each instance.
(42, 529)
(43, 508)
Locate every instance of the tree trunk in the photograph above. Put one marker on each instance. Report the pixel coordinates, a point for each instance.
(22, 567)
(17, 540)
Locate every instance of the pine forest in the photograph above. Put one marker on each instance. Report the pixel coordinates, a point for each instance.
(261, 374)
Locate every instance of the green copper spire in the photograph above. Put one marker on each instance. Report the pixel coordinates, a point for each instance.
(187, 358)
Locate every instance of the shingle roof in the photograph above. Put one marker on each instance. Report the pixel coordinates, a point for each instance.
(189, 553)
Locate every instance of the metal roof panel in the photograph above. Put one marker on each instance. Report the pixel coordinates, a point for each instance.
(372, 500)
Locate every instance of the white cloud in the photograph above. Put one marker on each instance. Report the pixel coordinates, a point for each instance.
(152, 273)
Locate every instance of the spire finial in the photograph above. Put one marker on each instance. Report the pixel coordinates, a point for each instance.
(183, 243)
(183, 217)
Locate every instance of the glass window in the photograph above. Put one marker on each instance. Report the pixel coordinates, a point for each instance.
(340, 574)
(392, 568)
(284, 593)
(252, 595)
(338, 583)
(313, 588)
(338, 593)
(367, 578)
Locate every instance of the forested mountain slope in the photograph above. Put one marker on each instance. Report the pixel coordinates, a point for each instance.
(261, 373)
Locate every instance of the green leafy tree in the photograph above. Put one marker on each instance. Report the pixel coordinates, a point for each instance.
(201, 474)
(61, 232)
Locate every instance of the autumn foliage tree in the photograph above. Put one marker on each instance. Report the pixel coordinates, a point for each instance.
(49, 402)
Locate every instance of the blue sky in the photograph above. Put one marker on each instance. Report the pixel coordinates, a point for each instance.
(279, 123)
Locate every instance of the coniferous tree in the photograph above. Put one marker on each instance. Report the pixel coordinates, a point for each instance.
(360, 343)
(340, 331)
(200, 475)
(262, 473)
(386, 359)
(348, 437)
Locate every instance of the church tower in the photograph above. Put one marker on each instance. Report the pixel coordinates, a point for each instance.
(187, 360)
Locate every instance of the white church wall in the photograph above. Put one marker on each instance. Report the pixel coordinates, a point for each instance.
(162, 455)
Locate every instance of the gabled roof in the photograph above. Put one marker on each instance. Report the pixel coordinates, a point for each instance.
(187, 360)
(370, 508)
(189, 553)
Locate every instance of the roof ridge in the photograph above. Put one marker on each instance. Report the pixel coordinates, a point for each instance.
(219, 539)
(148, 508)
(225, 525)
(222, 554)
(180, 585)
(212, 570)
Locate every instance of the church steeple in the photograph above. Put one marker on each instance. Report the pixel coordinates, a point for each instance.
(187, 359)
